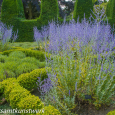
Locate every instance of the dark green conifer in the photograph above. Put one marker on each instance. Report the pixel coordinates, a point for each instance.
(81, 7)
(11, 9)
(49, 11)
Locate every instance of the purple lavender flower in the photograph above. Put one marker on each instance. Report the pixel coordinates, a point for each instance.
(69, 92)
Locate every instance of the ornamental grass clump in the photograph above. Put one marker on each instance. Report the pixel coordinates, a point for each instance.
(85, 68)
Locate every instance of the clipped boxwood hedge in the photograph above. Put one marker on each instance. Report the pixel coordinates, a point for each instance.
(111, 112)
(28, 80)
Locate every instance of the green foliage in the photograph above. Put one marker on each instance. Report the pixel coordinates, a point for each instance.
(49, 11)
(9, 74)
(16, 95)
(30, 102)
(25, 68)
(109, 9)
(111, 112)
(4, 47)
(81, 7)
(42, 64)
(28, 52)
(11, 66)
(113, 11)
(37, 54)
(2, 76)
(49, 110)
(25, 30)
(8, 85)
(28, 80)
(17, 54)
(3, 58)
(10, 10)
(32, 60)
(10, 59)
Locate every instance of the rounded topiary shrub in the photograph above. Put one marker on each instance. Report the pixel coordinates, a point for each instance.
(11, 9)
(81, 7)
(16, 95)
(49, 110)
(49, 11)
(111, 113)
(30, 60)
(2, 58)
(30, 102)
(25, 68)
(9, 74)
(18, 54)
(11, 66)
(9, 59)
(2, 75)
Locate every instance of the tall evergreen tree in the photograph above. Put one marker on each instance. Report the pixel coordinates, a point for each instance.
(49, 11)
(109, 9)
(81, 7)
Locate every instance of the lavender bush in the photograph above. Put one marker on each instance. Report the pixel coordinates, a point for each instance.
(82, 70)
(5, 36)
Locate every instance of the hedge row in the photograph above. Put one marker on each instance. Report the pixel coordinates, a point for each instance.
(20, 98)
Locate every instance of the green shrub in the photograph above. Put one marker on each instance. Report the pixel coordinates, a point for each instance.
(28, 80)
(15, 59)
(49, 110)
(30, 102)
(8, 85)
(17, 54)
(42, 64)
(16, 95)
(32, 60)
(49, 11)
(10, 10)
(2, 58)
(32, 53)
(81, 7)
(2, 75)
(11, 66)
(111, 113)
(9, 74)
(28, 52)
(1, 88)
(109, 8)
(25, 68)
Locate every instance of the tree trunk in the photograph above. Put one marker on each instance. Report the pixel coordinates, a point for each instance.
(30, 11)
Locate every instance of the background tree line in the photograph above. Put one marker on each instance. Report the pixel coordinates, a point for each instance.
(32, 7)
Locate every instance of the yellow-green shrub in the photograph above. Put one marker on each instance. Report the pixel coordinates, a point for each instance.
(111, 113)
(9, 59)
(1, 88)
(9, 74)
(16, 95)
(18, 54)
(8, 85)
(30, 102)
(11, 65)
(29, 80)
(2, 76)
(25, 68)
(42, 64)
(49, 110)
(31, 60)
(32, 53)
(2, 58)
(7, 52)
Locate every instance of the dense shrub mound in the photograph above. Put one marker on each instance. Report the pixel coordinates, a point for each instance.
(18, 54)
(15, 63)
(25, 68)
